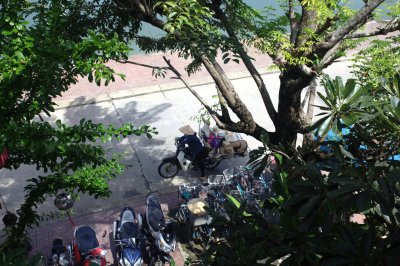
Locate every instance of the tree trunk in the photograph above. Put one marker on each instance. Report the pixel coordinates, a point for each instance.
(309, 137)
(291, 119)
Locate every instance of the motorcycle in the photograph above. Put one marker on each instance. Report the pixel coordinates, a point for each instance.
(183, 160)
(128, 239)
(86, 249)
(222, 144)
(60, 255)
(161, 236)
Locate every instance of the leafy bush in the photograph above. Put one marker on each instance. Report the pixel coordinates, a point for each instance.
(317, 208)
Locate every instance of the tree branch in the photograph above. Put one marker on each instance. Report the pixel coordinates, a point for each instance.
(278, 60)
(140, 6)
(213, 114)
(221, 123)
(303, 104)
(247, 124)
(312, 88)
(293, 23)
(333, 38)
(329, 21)
(222, 81)
(249, 65)
(140, 64)
(306, 71)
(390, 27)
(307, 23)
(329, 57)
(222, 103)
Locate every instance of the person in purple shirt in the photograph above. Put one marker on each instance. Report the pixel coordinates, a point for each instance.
(199, 152)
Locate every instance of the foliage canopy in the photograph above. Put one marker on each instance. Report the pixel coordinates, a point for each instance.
(39, 59)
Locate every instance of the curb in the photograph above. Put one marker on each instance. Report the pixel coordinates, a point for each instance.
(128, 93)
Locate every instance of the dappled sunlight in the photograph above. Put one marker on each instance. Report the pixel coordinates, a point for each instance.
(6, 182)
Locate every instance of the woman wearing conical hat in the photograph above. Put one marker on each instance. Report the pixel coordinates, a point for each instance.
(199, 153)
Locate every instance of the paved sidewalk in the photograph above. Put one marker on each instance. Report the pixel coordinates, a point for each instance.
(42, 237)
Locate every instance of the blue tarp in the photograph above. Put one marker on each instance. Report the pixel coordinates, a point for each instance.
(331, 136)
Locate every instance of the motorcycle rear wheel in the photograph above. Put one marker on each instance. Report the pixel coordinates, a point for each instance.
(168, 169)
(211, 163)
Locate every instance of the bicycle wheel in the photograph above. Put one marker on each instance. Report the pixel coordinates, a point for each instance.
(199, 242)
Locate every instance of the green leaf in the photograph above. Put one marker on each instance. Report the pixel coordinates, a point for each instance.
(308, 207)
(343, 190)
(325, 126)
(346, 152)
(318, 123)
(349, 119)
(349, 88)
(364, 201)
(237, 204)
(325, 100)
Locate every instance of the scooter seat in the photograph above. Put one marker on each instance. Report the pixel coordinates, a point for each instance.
(128, 230)
(86, 238)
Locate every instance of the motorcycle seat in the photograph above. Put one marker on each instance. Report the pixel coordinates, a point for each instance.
(86, 239)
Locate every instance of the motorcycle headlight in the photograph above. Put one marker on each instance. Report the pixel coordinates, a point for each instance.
(103, 253)
(138, 262)
(163, 246)
(125, 261)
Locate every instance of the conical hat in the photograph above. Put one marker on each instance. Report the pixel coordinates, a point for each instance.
(187, 130)
(196, 206)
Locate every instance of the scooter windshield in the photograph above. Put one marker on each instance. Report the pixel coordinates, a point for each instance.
(155, 214)
(86, 238)
(129, 230)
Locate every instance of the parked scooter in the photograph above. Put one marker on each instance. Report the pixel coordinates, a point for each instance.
(86, 249)
(182, 160)
(222, 144)
(159, 233)
(128, 239)
(60, 255)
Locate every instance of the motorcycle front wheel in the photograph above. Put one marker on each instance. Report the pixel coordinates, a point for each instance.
(211, 162)
(168, 169)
